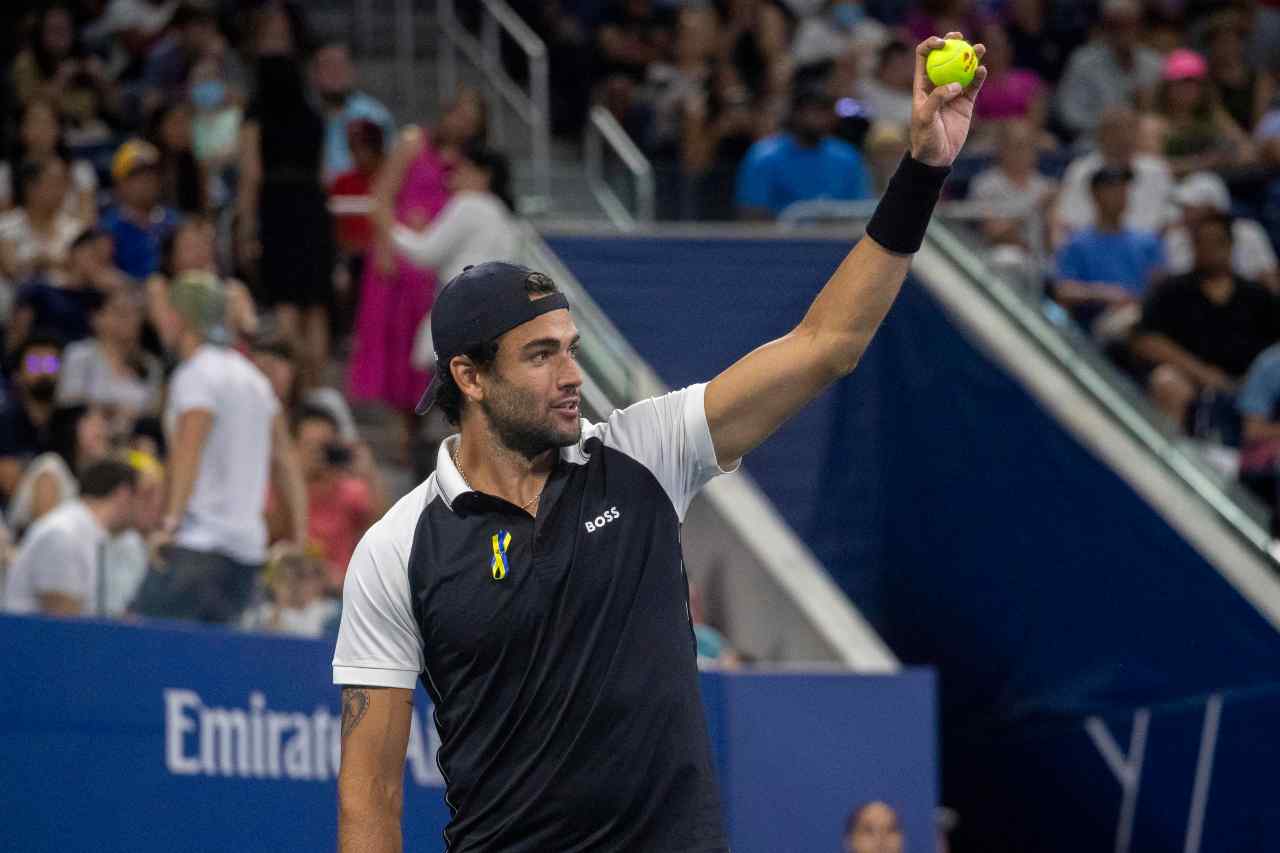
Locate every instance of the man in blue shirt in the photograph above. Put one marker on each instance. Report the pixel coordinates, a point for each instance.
(333, 76)
(1107, 266)
(137, 222)
(805, 162)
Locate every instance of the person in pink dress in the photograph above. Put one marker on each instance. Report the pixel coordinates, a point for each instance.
(411, 189)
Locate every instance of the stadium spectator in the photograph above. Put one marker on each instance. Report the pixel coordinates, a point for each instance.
(110, 369)
(215, 127)
(333, 76)
(873, 828)
(66, 309)
(126, 556)
(1205, 194)
(835, 28)
(931, 17)
(344, 490)
(888, 94)
(1020, 197)
(1200, 134)
(1108, 266)
(282, 214)
(802, 163)
(476, 223)
(1009, 93)
(1113, 69)
(227, 439)
(411, 190)
(192, 34)
(25, 412)
(1149, 191)
(183, 183)
(884, 144)
(754, 40)
(40, 139)
(350, 196)
(720, 126)
(56, 67)
(274, 356)
(192, 247)
(56, 570)
(137, 222)
(36, 235)
(634, 34)
(297, 604)
(1201, 331)
(78, 436)
(1043, 34)
(1243, 90)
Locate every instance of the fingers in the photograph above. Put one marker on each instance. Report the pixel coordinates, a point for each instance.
(973, 88)
(922, 84)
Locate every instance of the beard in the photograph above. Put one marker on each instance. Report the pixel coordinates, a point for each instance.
(522, 423)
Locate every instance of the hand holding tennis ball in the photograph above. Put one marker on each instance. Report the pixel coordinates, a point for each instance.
(955, 62)
(949, 74)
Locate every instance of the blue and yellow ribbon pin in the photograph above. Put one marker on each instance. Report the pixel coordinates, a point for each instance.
(498, 567)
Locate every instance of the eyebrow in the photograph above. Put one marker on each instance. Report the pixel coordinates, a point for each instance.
(549, 343)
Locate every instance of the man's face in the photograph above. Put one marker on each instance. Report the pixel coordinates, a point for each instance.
(314, 435)
(531, 391)
(334, 74)
(141, 188)
(1213, 247)
(1111, 199)
(814, 121)
(38, 372)
(124, 505)
(1117, 137)
(876, 831)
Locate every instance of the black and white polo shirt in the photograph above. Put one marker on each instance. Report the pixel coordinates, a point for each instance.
(558, 651)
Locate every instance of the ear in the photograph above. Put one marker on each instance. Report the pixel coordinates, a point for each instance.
(467, 377)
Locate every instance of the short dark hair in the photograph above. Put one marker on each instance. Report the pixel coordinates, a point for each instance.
(103, 477)
(42, 337)
(312, 412)
(64, 432)
(1220, 218)
(498, 167)
(448, 395)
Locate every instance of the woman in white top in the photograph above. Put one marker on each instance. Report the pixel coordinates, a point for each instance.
(475, 225)
(111, 369)
(35, 237)
(79, 435)
(40, 138)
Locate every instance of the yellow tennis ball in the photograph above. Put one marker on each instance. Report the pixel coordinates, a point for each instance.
(954, 62)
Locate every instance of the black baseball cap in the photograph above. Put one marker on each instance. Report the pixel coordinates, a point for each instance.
(479, 304)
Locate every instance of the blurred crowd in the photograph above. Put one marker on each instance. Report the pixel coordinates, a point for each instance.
(212, 244)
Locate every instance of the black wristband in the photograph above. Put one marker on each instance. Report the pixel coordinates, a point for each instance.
(904, 210)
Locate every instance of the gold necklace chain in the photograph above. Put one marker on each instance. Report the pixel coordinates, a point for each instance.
(457, 463)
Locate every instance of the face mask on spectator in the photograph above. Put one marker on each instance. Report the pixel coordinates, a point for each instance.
(208, 94)
(42, 390)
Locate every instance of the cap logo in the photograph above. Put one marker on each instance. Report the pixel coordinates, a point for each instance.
(539, 279)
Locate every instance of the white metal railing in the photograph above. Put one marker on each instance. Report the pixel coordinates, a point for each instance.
(532, 106)
(603, 129)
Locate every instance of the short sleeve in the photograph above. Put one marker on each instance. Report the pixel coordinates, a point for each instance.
(74, 378)
(1261, 389)
(191, 391)
(379, 644)
(669, 435)
(1069, 263)
(55, 566)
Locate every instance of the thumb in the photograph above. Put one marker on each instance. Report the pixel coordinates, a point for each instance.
(940, 96)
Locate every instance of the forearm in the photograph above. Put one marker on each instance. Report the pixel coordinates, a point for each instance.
(1161, 350)
(184, 466)
(293, 489)
(366, 825)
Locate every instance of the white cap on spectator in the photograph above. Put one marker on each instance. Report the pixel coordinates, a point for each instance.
(1203, 189)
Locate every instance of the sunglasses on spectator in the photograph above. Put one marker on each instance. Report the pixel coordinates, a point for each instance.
(41, 365)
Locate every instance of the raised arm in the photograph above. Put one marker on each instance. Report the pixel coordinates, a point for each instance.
(375, 736)
(762, 390)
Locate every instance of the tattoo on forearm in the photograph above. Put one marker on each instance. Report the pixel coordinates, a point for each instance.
(355, 702)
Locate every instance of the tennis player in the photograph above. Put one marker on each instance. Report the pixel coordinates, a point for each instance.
(534, 583)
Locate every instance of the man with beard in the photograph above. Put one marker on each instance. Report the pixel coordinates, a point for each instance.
(534, 583)
(802, 163)
(24, 416)
(333, 76)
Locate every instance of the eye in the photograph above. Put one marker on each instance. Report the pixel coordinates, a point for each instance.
(539, 357)
(574, 350)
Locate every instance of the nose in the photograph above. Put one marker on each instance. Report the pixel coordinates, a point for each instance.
(570, 373)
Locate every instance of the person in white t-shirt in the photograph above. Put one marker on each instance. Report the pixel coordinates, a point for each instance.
(57, 567)
(227, 436)
(1019, 196)
(1200, 196)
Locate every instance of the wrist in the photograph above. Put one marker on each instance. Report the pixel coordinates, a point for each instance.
(907, 205)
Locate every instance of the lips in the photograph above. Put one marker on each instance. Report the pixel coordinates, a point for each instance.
(569, 408)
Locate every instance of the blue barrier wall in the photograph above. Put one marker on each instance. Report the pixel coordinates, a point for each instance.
(157, 740)
(980, 537)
